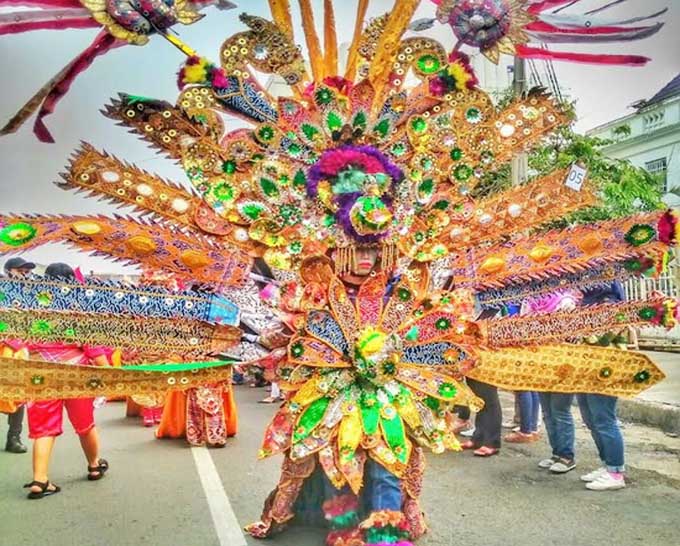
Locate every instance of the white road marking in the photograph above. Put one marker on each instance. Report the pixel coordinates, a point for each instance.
(226, 525)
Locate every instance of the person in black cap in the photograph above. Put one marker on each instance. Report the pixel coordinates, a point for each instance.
(17, 268)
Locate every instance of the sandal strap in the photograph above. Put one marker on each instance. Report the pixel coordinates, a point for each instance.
(41, 485)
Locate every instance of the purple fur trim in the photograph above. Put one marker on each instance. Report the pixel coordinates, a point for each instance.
(316, 174)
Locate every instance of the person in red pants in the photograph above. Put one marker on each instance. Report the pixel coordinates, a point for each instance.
(45, 417)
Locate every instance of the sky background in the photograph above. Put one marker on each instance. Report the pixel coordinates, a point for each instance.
(27, 61)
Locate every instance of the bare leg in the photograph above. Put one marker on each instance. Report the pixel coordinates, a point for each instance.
(42, 452)
(90, 444)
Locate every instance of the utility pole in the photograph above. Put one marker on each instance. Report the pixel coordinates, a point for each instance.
(520, 161)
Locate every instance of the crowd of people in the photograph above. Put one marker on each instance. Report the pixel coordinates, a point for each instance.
(169, 415)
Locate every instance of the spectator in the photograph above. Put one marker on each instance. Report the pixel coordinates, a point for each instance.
(16, 268)
(45, 417)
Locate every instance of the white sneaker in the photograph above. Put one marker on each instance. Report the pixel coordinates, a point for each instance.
(592, 476)
(467, 433)
(547, 463)
(606, 482)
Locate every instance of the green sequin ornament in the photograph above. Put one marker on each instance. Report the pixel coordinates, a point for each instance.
(269, 187)
(647, 313)
(428, 64)
(41, 327)
(398, 149)
(404, 294)
(300, 180)
(297, 350)
(640, 234)
(642, 376)
(309, 131)
(462, 172)
(265, 133)
(442, 324)
(456, 154)
(447, 390)
(3, 327)
(334, 121)
(383, 127)
(324, 96)
(418, 124)
(17, 234)
(229, 166)
(37, 380)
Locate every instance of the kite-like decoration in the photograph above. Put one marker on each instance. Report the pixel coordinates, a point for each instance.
(122, 22)
(512, 26)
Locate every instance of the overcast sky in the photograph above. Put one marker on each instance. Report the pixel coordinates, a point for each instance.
(27, 61)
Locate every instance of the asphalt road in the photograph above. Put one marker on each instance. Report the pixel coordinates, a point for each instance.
(155, 493)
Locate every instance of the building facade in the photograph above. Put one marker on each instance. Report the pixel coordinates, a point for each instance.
(650, 137)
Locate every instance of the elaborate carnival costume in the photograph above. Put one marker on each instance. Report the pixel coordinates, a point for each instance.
(365, 189)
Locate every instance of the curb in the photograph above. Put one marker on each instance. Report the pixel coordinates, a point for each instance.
(654, 414)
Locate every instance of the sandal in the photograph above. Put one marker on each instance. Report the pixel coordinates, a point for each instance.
(485, 451)
(45, 490)
(95, 473)
(468, 444)
(269, 400)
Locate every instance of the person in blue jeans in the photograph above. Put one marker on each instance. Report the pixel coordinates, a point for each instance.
(559, 425)
(599, 414)
(529, 406)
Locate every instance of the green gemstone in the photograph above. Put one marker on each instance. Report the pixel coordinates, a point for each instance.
(418, 124)
(428, 64)
(252, 210)
(266, 133)
(426, 187)
(642, 376)
(37, 380)
(297, 350)
(447, 390)
(70, 332)
(300, 180)
(229, 166)
(383, 127)
(404, 294)
(442, 324)
(647, 313)
(412, 334)
(309, 131)
(3, 297)
(222, 191)
(329, 220)
(462, 172)
(323, 96)
(44, 299)
(17, 234)
(473, 114)
(605, 373)
(426, 163)
(41, 327)
(3, 326)
(294, 149)
(295, 247)
(360, 120)
(334, 121)
(456, 154)
(419, 236)
(442, 204)
(269, 187)
(398, 149)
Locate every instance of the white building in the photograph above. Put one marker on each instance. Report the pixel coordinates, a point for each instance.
(650, 137)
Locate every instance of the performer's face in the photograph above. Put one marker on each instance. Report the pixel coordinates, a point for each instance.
(365, 261)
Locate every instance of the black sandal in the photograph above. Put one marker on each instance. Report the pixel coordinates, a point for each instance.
(95, 473)
(45, 491)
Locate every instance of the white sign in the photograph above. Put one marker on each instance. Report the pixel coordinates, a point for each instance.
(576, 177)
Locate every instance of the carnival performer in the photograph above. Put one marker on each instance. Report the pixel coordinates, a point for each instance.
(45, 416)
(15, 268)
(205, 415)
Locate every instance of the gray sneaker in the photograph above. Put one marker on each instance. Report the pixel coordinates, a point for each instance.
(562, 466)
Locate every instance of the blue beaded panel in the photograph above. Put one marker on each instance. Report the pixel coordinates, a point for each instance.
(322, 325)
(431, 354)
